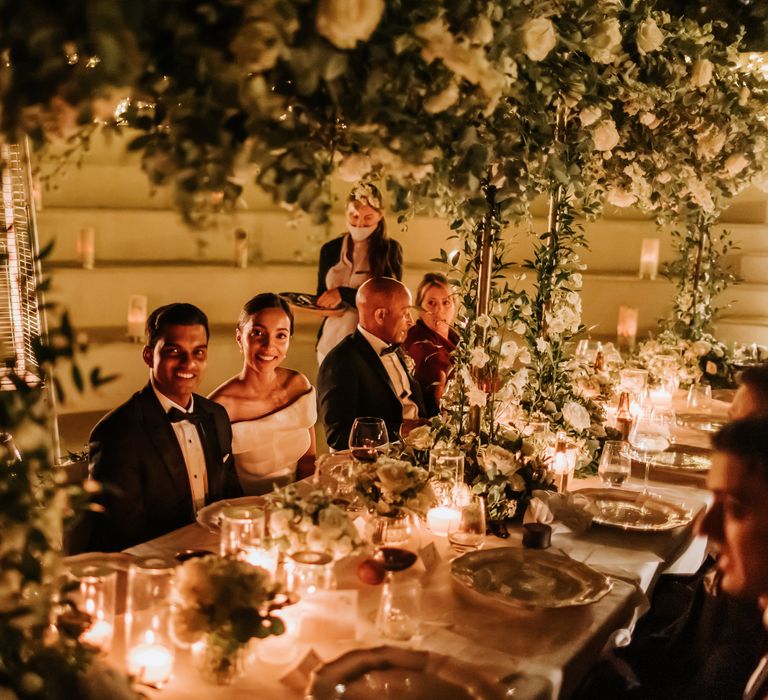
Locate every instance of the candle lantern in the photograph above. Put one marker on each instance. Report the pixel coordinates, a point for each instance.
(446, 468)
(626, 329)
(149, 646)
(243, 536)
(562, 463)
(137, 316)
(649, 258)
(86, 247)
(241, 248)
(95, 599)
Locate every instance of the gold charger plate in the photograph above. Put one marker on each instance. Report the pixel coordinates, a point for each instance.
(401, 674)
(683, 457)
(701, 421)
(529, 578)
(210, 516)
(636, 511)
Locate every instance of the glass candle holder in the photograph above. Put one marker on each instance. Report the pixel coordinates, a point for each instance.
(243, 536)
(95, 600)
(307, 572)
(149, 646)
(446, 468)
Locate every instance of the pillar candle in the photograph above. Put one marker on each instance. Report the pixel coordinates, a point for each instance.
(649, 258)
(626, 330)
(137, 316)
(86, 247)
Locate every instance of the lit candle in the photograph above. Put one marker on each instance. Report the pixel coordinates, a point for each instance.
(626, 330)
(137, 316)
(99, 635)
(660, 397)
(440, 519)
(150, 663)
(649, 258)
(258, 556)
(86, 247)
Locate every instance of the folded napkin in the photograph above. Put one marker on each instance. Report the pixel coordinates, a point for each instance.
(572, 509)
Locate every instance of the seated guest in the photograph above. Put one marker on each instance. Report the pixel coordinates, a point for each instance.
(751, 398)
(273, 409)
(366, 374)
(432, 340)
(165, 452)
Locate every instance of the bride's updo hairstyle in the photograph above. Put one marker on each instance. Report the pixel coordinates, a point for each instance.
(267, 300)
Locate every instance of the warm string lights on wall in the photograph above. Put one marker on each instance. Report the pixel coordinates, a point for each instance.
(19, 311)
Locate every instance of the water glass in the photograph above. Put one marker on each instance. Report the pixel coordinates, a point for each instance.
(446, 469)
(700, 398)
(615, 463)
(368, 438)
(666, 417)
(634, 381)
(399, 613)
(307, 572)
(467, 532)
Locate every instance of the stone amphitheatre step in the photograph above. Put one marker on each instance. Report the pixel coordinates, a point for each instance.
(743, 329)
(754, 266)
(746, 299)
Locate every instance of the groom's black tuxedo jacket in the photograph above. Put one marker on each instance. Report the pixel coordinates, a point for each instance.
(352, 382)
(134, 450)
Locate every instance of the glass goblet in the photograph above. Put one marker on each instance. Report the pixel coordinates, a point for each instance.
(649, 437)
(615, 464)
(700, 398)
(368, 438)
(467, 532)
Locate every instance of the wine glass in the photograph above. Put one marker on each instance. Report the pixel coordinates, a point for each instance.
(666, 416)
(649, 436)
(615, 464)
(467, 532)
(368, 438)
(700, 398)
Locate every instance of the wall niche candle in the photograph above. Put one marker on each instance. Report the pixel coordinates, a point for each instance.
(649, 258)
(86, 247)
(626, 330)
(137, 316)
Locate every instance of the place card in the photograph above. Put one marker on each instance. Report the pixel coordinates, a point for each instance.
(430, 557)
(298, 677)
(328, 615)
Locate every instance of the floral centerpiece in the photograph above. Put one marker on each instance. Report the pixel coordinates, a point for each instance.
(218, 606)
(311, 522)
(393, 487)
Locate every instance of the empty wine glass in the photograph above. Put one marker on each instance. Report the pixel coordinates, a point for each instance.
(649, 437)
(700, 398)
(368, 438)
(467, 532)
(615, 464)
(399, 610)
(666, 416)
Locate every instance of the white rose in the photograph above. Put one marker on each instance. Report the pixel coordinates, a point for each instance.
(539, 38)
(484, 321)
(649, 119)
(710, 143)
(649, 36)
(476, 396)
(619, 197)
(604, 44)
(509, 352)
(700, 194)
(480, 30)
(354, 167)
(442, 100)
(605, 135)
(420, 438)
(576, 416)
(701, 347)
(394, 476)
(663, 177)
(744, 96)
(333, 522)
(345, 22)
(478, 357)
(735, 164)
(701, 72)
(589, 115)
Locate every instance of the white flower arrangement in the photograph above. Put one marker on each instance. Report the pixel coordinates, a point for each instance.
(311, 521)
(391, 487)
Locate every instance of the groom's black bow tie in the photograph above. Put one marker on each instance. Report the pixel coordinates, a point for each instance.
(390, 348)
(175, 416)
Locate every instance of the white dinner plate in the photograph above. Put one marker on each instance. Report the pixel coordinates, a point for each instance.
(210, 516)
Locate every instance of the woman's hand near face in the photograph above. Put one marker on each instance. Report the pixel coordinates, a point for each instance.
(330, 299)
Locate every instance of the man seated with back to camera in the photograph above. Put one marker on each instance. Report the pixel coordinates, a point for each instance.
(366, 374)
(166, 452)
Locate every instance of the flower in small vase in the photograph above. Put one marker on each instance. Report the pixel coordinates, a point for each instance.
(345, 22)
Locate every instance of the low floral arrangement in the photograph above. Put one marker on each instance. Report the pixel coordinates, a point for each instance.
(391, 487)
(751, 354)
(704, 360)
(312, 522)
(506, 473)
(219, 605)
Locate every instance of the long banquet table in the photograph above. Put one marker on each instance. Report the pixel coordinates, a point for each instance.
(552, 648)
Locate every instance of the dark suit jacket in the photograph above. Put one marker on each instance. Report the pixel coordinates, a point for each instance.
(353, 382)
(135, 451)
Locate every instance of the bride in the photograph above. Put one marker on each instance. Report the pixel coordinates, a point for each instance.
(272, 408)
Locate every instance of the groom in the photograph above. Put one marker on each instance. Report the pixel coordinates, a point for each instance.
(366, 373)
(165, 452)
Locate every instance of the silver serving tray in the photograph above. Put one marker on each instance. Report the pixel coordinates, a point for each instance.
(529, 578)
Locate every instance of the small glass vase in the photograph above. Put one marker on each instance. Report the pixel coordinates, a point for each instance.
(392, 530)
(220, 660)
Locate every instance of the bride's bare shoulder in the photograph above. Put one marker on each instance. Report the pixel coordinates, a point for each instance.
(295, 382)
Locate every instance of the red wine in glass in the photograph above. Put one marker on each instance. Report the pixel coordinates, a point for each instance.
(365, 454)
(396, 558)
